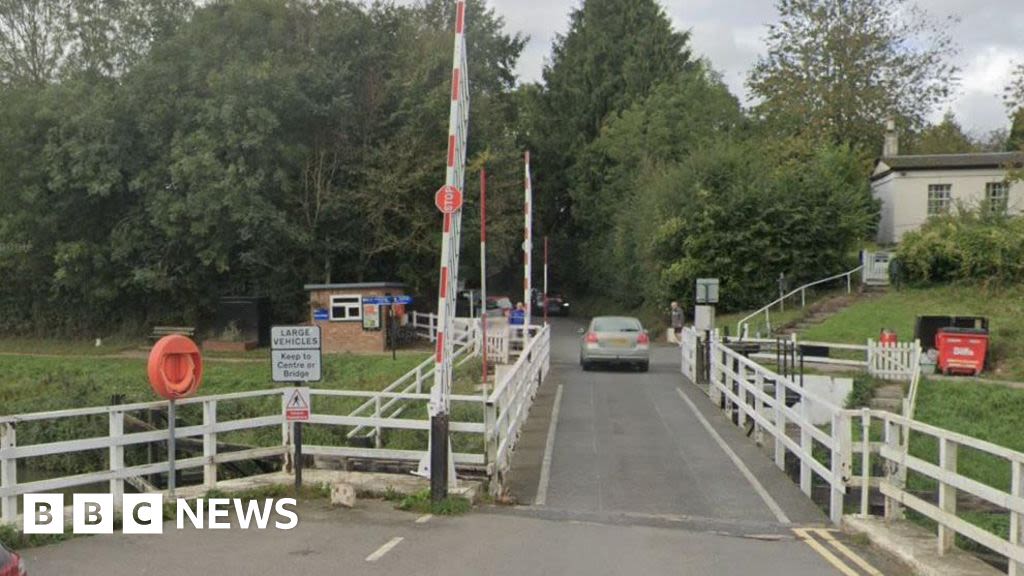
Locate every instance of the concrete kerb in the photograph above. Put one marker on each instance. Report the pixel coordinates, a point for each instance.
(915, 547)
(366, 484)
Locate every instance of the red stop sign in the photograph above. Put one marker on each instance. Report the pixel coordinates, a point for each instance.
(448, 199)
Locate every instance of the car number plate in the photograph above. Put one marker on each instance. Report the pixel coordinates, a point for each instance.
(618, 342)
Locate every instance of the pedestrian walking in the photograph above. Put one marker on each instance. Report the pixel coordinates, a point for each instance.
(677, 319)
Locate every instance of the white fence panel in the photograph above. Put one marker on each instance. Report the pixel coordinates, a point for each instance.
(900, 361)
(688, 348)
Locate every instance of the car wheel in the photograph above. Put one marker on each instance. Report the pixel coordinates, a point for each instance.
(645, 366)
(587, 366)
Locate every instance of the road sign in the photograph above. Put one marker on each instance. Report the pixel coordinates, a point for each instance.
(295, 353)
(707, 291)
(297, 405)
(387, 300)
(448, 199)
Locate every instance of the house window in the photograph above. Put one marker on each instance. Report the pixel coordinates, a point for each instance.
(346, 308)
(939, 198)
(997, 195)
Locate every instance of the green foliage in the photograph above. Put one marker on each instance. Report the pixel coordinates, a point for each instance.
(838, 69)
(615, 53)
(12, 537)
(968, 245)
(421, 503)
(862, 393)
(246, 147)
(946, 137)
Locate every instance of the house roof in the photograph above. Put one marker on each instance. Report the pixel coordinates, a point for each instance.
(357, 286)
(888, 164)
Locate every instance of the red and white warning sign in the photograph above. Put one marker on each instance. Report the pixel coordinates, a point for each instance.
(297, 407)
(448, 199)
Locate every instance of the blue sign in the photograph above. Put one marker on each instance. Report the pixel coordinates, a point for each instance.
(387, 300)
(321, 314)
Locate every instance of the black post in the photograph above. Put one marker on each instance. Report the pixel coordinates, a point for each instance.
(298, 458)
(393, 327)
(439, 457)
(171, 448)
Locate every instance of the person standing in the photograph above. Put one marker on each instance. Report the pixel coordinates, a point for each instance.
(677, 319)
(518, 316)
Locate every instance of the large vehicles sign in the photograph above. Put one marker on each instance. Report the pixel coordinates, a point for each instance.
(295, 353)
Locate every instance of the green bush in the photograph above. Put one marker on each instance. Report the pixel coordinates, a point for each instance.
(965, 245)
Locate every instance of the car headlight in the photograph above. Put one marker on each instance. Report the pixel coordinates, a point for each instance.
(22, 569)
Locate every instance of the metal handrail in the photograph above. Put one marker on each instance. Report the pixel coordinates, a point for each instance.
(803, 300)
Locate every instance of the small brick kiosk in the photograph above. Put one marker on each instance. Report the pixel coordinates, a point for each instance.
(347, 323)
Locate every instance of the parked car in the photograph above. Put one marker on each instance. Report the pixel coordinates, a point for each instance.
(499, 306)
(615, 340)
(10, 563)
(557, 305)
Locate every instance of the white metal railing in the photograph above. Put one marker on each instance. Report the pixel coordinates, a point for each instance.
(774, 404)
(414, 381)
(743, 326)
(509, 404)
(891, 451)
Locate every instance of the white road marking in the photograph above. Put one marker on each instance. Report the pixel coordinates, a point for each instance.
(772, 504)
(384, 549)
(424, 519)
(549, 447)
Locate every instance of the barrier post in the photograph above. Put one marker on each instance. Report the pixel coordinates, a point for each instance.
(947, 494)
(780, 424)
(210, 443)
(8, 473)
(1016, 520)
(116, 454)
(841, 455)
(865, 460)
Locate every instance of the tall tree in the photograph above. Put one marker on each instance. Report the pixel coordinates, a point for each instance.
(946, 137)
(1013, 97)
(613, 55)
(840, 68)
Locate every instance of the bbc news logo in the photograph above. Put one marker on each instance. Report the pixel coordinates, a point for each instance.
(144, 514)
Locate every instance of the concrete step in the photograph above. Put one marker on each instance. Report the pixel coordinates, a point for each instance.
(894, 405)
(894, 391)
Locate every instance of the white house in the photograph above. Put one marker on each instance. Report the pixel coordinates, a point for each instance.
(914, 187)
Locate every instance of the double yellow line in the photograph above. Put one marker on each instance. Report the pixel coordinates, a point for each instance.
(825, 535)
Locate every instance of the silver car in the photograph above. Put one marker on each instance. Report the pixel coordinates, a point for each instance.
(615, 340)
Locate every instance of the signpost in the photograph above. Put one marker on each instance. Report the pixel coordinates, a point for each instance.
(175, 370)
(295, 353)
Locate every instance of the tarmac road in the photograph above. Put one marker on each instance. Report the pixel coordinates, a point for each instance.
(645, 477)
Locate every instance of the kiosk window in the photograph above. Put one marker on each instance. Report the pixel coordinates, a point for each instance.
(346, 308)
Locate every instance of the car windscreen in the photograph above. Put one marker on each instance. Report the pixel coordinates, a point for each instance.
(5, 556)
(612, 324)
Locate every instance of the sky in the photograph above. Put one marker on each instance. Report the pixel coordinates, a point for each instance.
(730, 33)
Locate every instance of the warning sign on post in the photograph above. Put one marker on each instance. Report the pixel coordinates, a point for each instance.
(297, 407)
(295, 353)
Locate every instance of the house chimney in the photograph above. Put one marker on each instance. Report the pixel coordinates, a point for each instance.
(892, 139)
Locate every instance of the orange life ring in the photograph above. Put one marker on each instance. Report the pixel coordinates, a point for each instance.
(175, 367)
